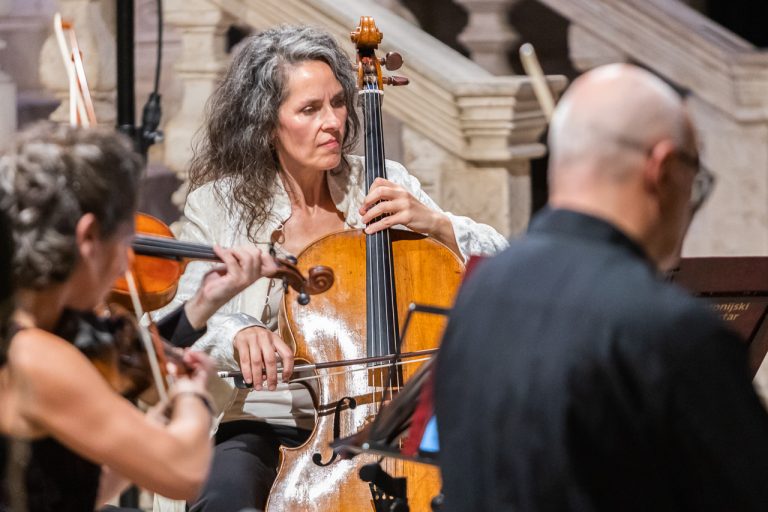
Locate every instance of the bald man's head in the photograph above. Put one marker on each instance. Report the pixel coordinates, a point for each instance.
(622, 148)
(610, 115)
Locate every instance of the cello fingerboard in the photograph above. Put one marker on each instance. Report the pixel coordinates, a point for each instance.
(381, 306)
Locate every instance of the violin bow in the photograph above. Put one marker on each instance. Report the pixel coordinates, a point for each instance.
(149, 338)
(81, 110)
(538, 80)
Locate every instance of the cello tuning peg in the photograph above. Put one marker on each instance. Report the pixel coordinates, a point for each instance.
(392, 61)
(396, 80)
(303, 298)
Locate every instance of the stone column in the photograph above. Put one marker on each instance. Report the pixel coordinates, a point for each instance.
(97, 43)
(7, 89)
(488, 35)
(202, 29)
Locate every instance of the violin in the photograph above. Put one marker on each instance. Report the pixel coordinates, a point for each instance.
(160, 260)
(110, 339)
(158, 264)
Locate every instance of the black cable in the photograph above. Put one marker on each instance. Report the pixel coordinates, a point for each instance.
(151, 114)
(158, 64)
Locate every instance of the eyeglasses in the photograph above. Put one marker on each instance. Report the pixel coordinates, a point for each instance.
(703, 180)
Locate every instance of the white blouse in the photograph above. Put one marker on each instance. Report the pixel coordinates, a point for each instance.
(209, 221)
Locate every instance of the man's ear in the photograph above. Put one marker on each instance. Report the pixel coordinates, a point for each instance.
(87, 234)
(656, 174)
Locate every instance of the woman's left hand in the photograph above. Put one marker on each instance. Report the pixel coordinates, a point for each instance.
(398, 206)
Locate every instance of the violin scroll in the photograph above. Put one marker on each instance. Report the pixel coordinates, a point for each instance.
(319, 279)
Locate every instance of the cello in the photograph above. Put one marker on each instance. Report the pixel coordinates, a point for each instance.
(376, 277)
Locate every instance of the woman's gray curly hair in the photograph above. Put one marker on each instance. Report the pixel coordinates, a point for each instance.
(51, 176)
(242, 117)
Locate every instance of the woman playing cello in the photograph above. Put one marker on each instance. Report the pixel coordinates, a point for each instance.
(67, 439)
(273, 167)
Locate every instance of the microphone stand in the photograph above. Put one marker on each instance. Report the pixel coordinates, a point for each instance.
(148, 133)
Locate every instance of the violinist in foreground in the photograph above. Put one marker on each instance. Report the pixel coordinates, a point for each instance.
(273, 166)
(68, 440)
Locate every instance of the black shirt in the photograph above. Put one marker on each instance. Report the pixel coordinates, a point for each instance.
(175, 327)
(572, 378)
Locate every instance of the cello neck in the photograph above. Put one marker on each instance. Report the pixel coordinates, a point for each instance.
(381, 304)
(162, 247)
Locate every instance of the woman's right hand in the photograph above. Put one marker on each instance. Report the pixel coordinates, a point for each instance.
(258, 350)
(200, 370)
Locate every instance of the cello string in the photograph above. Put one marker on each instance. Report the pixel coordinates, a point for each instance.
(383, 310)
(378, 246)
(371, 342)
(387, 264)
(381, 321)
(386, 253)
(392, 375)
(391, 305)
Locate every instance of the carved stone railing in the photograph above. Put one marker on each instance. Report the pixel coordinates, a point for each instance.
(467, 134)
(728, 82)
(488, 36)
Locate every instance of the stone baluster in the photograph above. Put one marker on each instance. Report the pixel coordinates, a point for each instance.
(490, 181)
(488, 35)
(7, 89)
(97, 44)
(202, 29)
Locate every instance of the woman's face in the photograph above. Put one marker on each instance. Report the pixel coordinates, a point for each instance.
(102, 261)
(311, 120)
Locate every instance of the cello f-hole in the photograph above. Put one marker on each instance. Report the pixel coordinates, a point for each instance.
(317, 457)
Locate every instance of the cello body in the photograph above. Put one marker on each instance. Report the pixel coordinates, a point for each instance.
(334, 327)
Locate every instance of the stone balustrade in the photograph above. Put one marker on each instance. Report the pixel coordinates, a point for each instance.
(467, 134)
(727, 80)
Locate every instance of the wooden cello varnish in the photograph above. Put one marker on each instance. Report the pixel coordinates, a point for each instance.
(376, 278)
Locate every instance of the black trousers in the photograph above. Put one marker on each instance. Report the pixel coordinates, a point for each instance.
(244, 466)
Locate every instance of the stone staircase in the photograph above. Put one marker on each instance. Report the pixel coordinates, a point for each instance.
(468, 135)
(727, 82)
